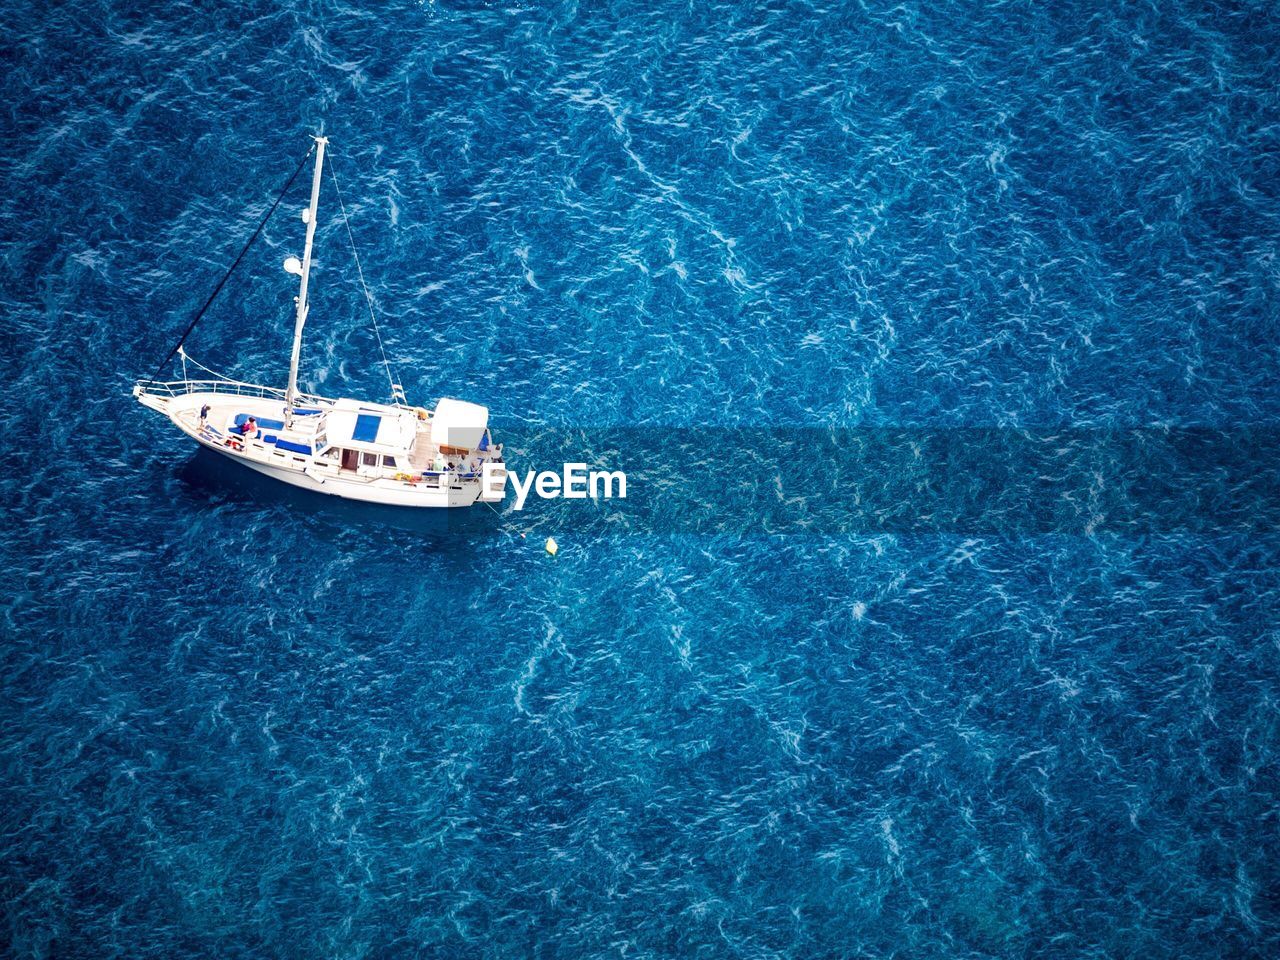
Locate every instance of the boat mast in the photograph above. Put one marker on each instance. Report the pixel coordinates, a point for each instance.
(291, 392)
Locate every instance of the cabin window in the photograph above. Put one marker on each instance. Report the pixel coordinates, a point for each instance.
(369, 459)
(389, 462)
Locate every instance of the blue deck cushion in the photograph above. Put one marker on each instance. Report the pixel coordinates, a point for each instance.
(263, 423)
(286, 444)
(366, 430)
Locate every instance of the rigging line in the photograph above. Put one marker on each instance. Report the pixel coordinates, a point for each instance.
(194, 361)
(226, 276)
(396, 388)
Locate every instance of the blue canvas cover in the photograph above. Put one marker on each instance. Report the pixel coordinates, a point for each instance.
(366, 430)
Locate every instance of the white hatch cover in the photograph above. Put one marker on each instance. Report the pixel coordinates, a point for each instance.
(457, 423)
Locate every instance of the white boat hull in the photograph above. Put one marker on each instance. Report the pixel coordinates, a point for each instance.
(314, 473)
(358, 490)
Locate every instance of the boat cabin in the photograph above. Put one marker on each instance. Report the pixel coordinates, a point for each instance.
(367, 438)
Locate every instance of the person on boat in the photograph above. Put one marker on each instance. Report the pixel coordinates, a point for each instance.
(204, 415)
(249, 428)
(439, 463)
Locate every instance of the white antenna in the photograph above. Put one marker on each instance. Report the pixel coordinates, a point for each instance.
(308, 217)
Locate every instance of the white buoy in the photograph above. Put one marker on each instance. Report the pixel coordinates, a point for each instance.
(293, 265)
(552, 546)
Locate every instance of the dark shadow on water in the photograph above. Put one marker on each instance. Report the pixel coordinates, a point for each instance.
(208, 475)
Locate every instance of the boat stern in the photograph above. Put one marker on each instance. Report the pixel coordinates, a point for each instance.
(493, 487)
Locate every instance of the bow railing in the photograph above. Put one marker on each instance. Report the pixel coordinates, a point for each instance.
(179, 388)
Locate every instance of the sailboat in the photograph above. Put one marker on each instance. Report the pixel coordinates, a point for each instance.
(389, 453)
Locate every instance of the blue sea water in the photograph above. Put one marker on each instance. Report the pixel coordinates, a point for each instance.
(243, 723)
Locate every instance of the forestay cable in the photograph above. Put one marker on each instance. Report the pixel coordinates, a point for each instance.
(226, 276)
